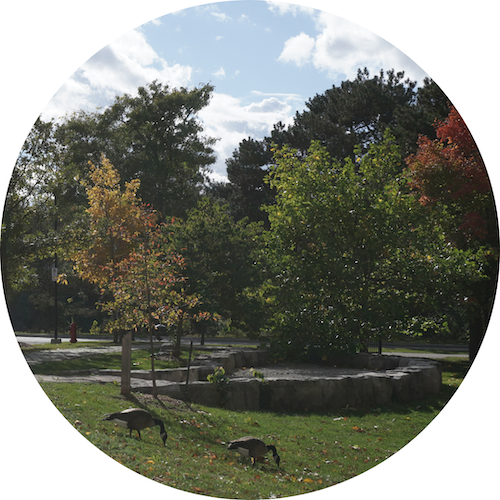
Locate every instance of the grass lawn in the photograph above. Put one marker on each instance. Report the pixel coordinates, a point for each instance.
(140, 358)
(317, 449)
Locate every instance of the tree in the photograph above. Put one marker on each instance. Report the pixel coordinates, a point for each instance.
(115, 219)
(220, 264)
(41, 221)
(154, 137)
(29, 205)
(246, 172)
(357, 112)
(449, 176)
(148, 286)
(353, 254)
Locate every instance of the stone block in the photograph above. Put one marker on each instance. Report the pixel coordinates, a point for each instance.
(382, 389)
(359, 391)
(308, 395)
(243, 394)
(204, 393)
(173, 390)
(239, 359)
(334, 393)
(401, 385)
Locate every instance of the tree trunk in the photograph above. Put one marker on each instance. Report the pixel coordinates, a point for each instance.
(476, 332)
(126, 362)
(153, 373)
(176, 353)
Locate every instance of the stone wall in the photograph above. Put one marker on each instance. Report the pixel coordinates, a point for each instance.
(379, 381)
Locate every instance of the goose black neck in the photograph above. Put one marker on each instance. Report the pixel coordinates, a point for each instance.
(272, 448)
(160, 423)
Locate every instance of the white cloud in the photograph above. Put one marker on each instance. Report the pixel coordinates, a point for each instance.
(284, 95)
(282, 9)
(220, 73)
(230, 120)
(298, 49)
(271, 105)
(341, 47)
(221, 16)
(121, 67)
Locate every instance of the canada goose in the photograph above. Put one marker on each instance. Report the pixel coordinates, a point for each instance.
(249, 446)
(137, 419)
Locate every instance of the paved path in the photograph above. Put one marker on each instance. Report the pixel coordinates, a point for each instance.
(35, 357)
(100, 376)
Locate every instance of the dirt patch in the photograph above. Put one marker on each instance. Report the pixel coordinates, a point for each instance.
(291, 371)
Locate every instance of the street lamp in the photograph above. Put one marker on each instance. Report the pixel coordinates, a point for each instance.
(55, 340)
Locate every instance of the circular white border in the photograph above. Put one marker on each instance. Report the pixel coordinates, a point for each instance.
(44, 42)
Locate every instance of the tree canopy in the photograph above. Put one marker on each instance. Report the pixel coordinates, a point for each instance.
(154, 137)
(371, 215)
(354, 256)
(354, 114)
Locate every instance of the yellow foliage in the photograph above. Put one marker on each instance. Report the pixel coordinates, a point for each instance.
(116, 217)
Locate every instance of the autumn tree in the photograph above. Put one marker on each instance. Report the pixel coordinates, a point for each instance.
(449, 177)
(115, 220)
(148, 286)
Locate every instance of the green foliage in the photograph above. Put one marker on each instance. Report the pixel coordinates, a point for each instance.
(218, 376)
(95, 329)
(353, 254)
(220, 267)
(154, 136)
(356, 112)
(257, 374)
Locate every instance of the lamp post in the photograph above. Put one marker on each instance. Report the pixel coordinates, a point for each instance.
(55, 340)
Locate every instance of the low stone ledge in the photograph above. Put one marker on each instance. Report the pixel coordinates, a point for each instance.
(379, 381)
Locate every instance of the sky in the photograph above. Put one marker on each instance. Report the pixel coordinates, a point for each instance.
(265, 60)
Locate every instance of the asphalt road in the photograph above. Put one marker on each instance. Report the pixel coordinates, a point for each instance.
(439, 350)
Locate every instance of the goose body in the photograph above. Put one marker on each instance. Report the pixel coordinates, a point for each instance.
(137, 419)
(249, 446)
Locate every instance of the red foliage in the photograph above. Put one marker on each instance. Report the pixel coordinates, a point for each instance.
(450, 170)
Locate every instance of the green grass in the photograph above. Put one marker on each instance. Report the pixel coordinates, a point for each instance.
(64, 345)
(317, 450)
(140, 359)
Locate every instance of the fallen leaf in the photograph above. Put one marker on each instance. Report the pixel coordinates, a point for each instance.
(358, 429)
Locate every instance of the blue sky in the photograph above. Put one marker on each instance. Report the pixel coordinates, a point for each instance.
(265, 59)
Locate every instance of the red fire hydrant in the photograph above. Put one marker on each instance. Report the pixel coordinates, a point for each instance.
(72, 332)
